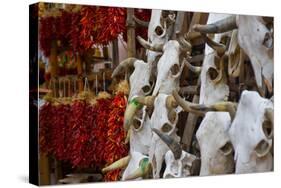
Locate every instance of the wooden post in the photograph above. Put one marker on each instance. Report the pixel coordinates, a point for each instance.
(189, 127)
(44, 170)
(53, 59)
(79, 72)
(131, 42)
(115, 53)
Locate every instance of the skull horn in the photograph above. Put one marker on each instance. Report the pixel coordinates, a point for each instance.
(185, 104)
(218, 107)
(127, 63)
(195, 69)
(140, 22)
(147, 45)
(171, 143)
(220, 48)
(220, 26)
(147, 101)
(131, 110)
(143, 170)
(121, 163)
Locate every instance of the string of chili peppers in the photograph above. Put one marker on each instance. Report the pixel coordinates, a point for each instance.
(115, 148)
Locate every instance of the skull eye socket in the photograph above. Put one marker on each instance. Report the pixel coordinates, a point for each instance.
(268, 41)
(166, 128)
(175, 69)
(146, 89)
(267, 128)
(213, 73)
(159, 30)
(136, 124)
(227, 148)
(262, 148)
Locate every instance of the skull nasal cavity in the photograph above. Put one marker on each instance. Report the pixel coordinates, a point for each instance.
(213, 73)
(175, 69)
(166, 128)
(146, 88)
(267, 129)
(262, 148)
(159, 30)
(136, 123)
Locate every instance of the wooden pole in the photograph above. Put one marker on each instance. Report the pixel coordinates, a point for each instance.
(53, 59)
(79, 73)
(44, 170)
(115, 53)
(131, 42)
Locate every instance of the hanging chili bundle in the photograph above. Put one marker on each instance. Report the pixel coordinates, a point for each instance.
(115, 148)
(110, 22)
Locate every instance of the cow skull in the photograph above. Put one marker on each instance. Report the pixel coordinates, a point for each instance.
(164, 118)
(178, 162)
(140, 85)
(254, 38)
(251, 133)
(138, 167)
(214, 86)
(140, 132)
(215, 146)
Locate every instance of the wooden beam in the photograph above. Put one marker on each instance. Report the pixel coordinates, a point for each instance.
(115, 53)
(131, 42)
(189, 127)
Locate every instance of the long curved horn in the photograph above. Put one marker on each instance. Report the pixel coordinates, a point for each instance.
(140, 22)
(185, 104)
(220, 48)
(220, 26)
(132, 108)
(185, 45)
(218, 107)
(143, 171)
(171, 143)
(195, 69)
(147, 101)
(147, 45)
(129, 62)
(121, 163)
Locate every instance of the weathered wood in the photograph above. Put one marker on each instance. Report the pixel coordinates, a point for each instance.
(189, 90)
(189, 127)
(131, 42)
(115, 53)
(53, 60)
(44, 170)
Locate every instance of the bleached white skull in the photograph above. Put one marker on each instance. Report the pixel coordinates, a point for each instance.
(251, 133)
(256, 40)
(169, 69)
(164, 118)
(180, 167)
(138, 167)
(140, 133)
(213, 83)
(178, 162)
(215, 146)
(140, 85)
